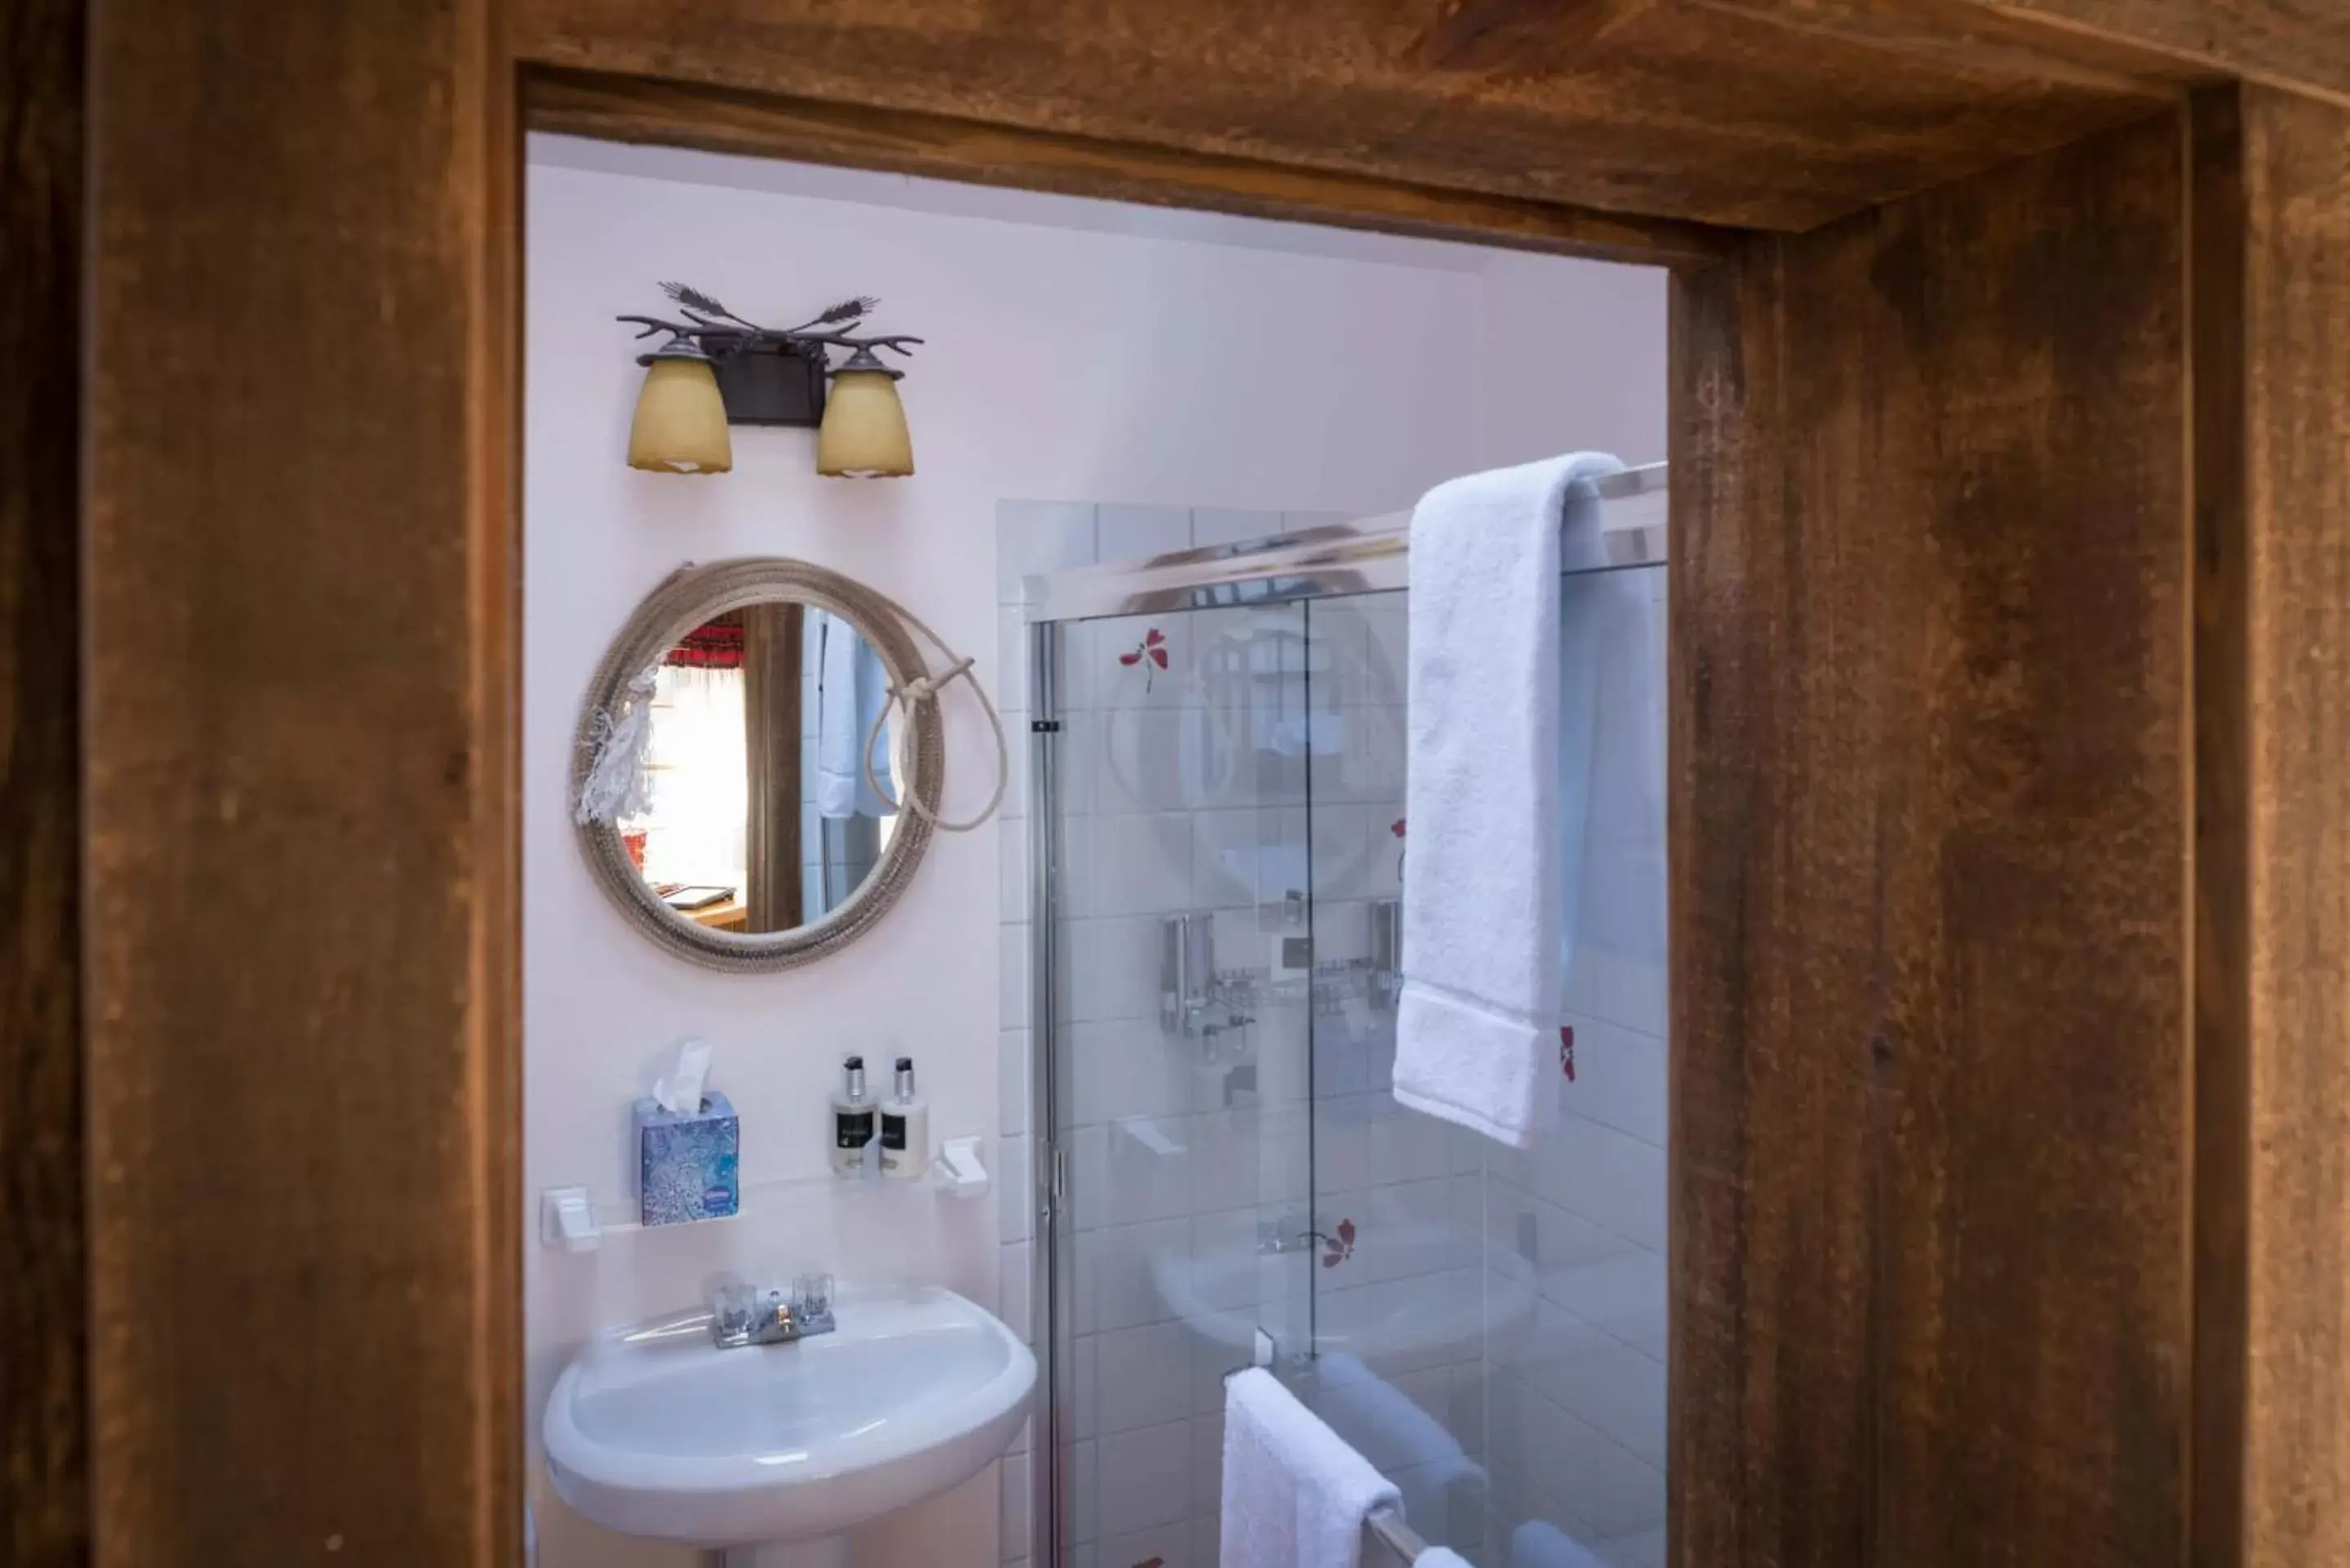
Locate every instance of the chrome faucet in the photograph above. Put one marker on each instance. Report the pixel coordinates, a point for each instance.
(742, 1315)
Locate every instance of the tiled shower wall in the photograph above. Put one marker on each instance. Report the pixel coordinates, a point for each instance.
(1576, 1407)
(1492, 1324)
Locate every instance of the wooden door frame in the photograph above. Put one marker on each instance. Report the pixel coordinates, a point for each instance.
(413, 1228)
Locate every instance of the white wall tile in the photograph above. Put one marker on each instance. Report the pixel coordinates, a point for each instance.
(1145, 1478)
(1035, 537)
(1643, 1549)
(1226, 1163)
(1130, 532)
(1142, 864)
(1016, 874)
(1207, 1460)
(1016, 1507)
(1168, 1545)
(1623, 1295)
(1151, 1385)
(1254, 858)
(1226, 525)
(1016, 1286)
(1014, 1089)
(1617, 1182)
(1013, 978)
(1125, 1291)
(1150, 1169)
(1084, 1383)
(1619, 1078)
(1007, 678)
(1088, 1157)
(1121, 1067)
(1080, 1490)
(1207, 1542)
(1016, 756)
(1117, 965)
(1016, 1188)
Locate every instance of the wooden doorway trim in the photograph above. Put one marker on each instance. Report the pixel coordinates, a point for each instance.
(299, 525)
(299, 530)
(909, 142)
(44, 1426)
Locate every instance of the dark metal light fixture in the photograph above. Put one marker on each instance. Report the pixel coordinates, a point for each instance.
(718, 369)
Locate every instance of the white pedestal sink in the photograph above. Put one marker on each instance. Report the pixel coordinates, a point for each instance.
(771, 1454)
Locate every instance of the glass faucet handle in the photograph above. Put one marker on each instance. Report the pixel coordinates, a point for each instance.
(812, 1296)
(735, 1307)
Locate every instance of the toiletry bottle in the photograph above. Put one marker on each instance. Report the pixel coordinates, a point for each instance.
(905, 1127)
(852, 1119)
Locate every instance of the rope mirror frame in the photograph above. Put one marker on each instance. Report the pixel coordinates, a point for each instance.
(686, 598)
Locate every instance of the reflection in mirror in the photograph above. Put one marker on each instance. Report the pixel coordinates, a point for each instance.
(759, 816)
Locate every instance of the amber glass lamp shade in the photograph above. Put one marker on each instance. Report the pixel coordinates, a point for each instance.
(681, 424)
(864, 433)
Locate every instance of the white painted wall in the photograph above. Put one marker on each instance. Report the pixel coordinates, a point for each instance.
(1082, 350)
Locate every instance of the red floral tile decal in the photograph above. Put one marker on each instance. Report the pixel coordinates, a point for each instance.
(1567, 1050)
(1338, 1248)
(1151, 653)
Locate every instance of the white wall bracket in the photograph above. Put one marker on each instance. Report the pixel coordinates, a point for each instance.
(566, 1220)
(958, 1170)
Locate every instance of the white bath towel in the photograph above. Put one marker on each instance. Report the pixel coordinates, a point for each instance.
(1486, 889)
(1294, 1494)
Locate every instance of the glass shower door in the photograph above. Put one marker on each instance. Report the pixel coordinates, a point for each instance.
(1182, 968)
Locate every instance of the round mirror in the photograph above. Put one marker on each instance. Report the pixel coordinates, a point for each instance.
(740, 767)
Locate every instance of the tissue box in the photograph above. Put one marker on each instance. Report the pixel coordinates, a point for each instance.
(686, 1162)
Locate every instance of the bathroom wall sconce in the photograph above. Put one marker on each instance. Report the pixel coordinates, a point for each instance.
(718, 369)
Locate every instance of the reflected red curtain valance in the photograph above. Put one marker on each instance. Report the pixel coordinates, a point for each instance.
(713, 645)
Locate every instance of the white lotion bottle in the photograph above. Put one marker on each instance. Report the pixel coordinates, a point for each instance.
(852, 1119)
(905, 1127)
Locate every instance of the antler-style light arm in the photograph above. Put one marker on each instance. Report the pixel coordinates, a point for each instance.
(717, 331)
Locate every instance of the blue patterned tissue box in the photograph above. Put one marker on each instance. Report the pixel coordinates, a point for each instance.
(686, 1162)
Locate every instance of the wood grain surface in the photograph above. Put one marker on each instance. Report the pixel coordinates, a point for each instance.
(299, 538)
(718, 120)
(1929, 835)
(2296, 198)
(2222, 839)
(43, 1304)
(2303, 45)
(1743, 114)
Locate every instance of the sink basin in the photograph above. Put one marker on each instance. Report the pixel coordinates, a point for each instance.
(1458, 1298)
(656, 1432)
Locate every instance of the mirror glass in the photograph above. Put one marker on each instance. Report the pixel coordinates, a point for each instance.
(757, 814)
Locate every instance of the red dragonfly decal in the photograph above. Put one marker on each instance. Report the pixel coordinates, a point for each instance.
(1338, 1248)
(1151, 653)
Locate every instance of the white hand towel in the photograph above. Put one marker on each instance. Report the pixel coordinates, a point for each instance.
(1484, 889)
(1294, 1494)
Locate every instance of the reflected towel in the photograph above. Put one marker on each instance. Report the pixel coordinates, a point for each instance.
(1388, 1425)
(852, 692)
